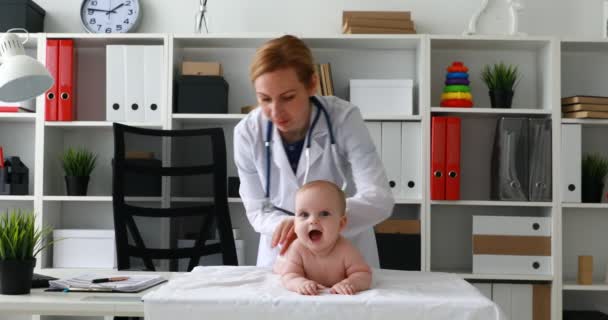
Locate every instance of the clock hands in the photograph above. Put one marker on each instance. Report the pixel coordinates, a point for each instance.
(114, 10)
(98, 10)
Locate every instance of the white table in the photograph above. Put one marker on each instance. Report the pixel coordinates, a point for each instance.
(39, 302)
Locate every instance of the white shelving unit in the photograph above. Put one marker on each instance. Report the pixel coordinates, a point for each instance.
(551, 68)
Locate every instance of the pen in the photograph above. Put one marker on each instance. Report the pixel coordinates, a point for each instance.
(114, 279)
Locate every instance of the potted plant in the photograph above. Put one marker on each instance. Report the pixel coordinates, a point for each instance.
(594, 170)
(501, 80)
(77, 165)
(20, 242)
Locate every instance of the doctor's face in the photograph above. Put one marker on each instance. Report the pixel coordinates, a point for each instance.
(285, 100)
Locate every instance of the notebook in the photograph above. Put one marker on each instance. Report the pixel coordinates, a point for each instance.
(134, 283)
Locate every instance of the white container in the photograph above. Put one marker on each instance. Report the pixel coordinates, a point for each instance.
(507, 264)
(382, 97)
(81, 248)
(512, 226)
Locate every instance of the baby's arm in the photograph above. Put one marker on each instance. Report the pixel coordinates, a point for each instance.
(292, 276)
(358, 273)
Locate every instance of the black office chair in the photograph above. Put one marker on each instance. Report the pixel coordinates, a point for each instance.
(152, 224)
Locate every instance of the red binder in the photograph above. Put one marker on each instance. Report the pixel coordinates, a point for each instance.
(438, 148)
(52, 56)
(452, 159)
(65, 104)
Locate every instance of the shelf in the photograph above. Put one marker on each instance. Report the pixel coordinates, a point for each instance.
(573, 286)
(489, 111)
(225, 118)
(585, 205)
(98, 199)
(16, 198)
(202, 199)
(17, 117)
(98, 124)
(103, 39)
(372, 117)
(587, 122)
(408, 201)
(492, 203)
(488, 42)
(513, 277)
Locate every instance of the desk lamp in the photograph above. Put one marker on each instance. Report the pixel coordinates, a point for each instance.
(21, 77)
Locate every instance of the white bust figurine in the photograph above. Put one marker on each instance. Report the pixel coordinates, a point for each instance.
(514, 8)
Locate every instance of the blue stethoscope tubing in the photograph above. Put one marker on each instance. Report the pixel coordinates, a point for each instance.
(268, 206)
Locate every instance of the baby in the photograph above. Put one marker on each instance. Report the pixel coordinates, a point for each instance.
(320, 257)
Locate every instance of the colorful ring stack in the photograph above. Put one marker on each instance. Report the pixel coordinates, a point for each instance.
(457, 93)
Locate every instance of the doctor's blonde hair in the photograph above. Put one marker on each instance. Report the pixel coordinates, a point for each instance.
(327, 186)
(284, 52)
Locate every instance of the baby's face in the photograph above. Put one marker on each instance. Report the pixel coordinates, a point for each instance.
(319, 219)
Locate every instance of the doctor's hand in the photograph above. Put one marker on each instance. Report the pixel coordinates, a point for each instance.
(284, 235)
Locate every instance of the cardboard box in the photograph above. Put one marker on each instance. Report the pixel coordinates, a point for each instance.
(193, 68)
(81, 248)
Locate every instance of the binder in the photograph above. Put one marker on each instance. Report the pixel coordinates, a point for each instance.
(540, 182)
(411, 165)
(571, 162)
(153, 56)
(510, 160)
(66, 81)
(391, 156)
(375, 132)
(438, 150)
(452, 159)
(134, 84)
(115, 83)
(52, 64)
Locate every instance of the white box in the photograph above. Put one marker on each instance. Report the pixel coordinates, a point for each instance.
(382, 97)
(508, 264)
(80, 248)
(512, 226)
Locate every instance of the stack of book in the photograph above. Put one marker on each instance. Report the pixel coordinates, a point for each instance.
(377, 22)
(325, 86)
(585, 107)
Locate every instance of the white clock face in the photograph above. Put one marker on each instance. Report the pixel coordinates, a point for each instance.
(110, 16)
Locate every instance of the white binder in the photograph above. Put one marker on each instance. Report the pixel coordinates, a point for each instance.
(134, 83)
(571, 162)
(153, 57)
(375, 131)
(115, 83)
(484, 288)
(391, 155)
(411, 170)
(501, 295)
(521, 301)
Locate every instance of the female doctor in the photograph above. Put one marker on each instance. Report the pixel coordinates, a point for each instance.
(295, 137)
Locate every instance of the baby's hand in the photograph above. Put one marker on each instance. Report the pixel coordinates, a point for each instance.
(343, 287)
(310, 288)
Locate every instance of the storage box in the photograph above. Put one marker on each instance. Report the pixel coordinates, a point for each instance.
(21, 14)
(82, 248)
(201, 94)
(193, 68)
(398, 244)
(382, 97)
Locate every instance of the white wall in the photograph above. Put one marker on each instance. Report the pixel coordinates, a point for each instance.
(581, 18)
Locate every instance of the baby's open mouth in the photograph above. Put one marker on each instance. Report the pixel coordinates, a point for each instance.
(315, 235)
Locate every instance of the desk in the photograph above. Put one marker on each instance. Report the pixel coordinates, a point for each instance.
(39, 302)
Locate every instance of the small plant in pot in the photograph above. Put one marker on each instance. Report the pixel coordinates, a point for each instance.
(501, 80)
(77, 165)
(20, 242)
(594, 170)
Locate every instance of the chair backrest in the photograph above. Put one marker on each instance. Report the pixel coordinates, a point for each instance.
(170, 197)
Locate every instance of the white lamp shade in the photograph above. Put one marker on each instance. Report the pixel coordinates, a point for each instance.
(22, 78)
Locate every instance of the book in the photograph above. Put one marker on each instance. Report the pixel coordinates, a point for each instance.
(585, 100)
(586, 115)
(134, 283)
(585, 107)
(395, 15)
(370, 30)
(380, 23)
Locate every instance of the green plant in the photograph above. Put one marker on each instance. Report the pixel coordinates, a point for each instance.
(594, 167)
(500, 76)
(19, 237)
(78, 162)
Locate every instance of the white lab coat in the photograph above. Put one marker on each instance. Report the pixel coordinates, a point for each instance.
(369, 198)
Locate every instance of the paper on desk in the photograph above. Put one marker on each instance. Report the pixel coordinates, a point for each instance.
(135, 283)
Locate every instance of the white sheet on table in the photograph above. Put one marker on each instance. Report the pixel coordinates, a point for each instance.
(228, 293)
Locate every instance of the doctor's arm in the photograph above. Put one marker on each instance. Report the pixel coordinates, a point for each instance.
(251, 189)
(373, 201)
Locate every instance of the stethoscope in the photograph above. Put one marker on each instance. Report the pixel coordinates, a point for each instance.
(267, 206)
